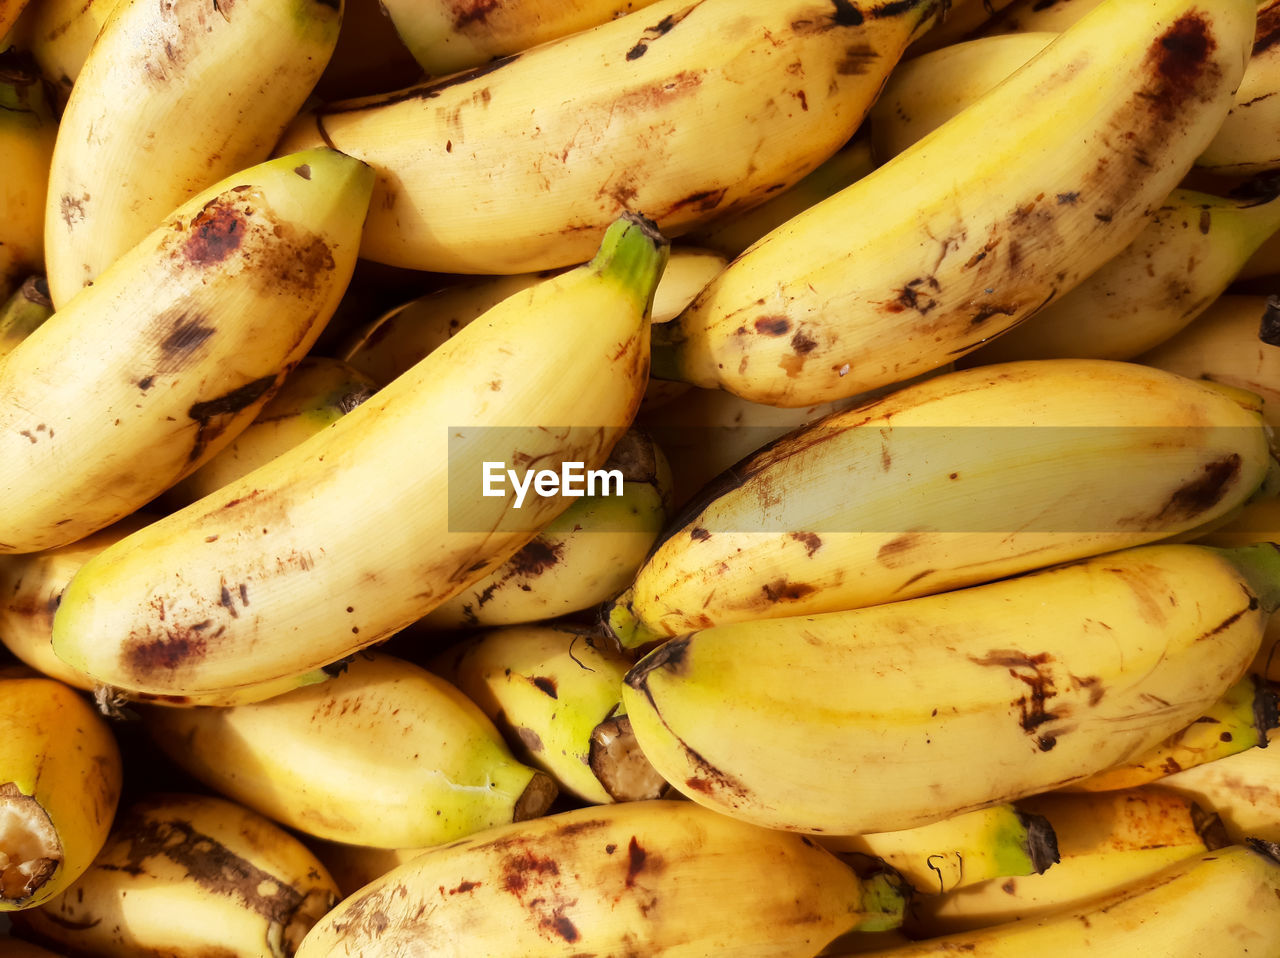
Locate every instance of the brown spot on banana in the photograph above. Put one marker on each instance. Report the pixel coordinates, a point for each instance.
(212, 416)
(811, 541)
(658, 30)
(215, 232)
(1201, 494)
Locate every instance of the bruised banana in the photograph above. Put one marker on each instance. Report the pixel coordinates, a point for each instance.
(28, 128)
(998, 841)
(31, 586)
(172, 351)
(583, 557)
(558, 694)
(187, 875)
(515, 165)
(318, 391)
(990, 217)
(445, 37)
(961, 699)
(1105, 840)
(1240, 720)
(172, 98)
(384, 754)
(959, 479)
(1223, 904)
(367, 526)
(1243, 789)
(630, 878)
(26, 309)
(60, 780)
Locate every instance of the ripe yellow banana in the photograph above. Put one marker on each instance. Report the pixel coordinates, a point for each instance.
(445, 37)
(186, 875)
(26, 309)
(959, 479)
(59, 34)
(998, 841)
(172, 98)
(516, 165)
(1243, 789)
(997, 212)
(958, 23)
(650, 878)
(557, 695)
(367, 526)
(28, 128)
(1105, 840)
(1027, 16)
(1244, 144)
(173, 350)
(318, 391)
(60, 780)
(1222, 904)
(901, 714)
(384, 754)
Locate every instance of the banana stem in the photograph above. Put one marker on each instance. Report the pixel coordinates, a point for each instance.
(633, 253)
(1269, 329)
(1259, 564)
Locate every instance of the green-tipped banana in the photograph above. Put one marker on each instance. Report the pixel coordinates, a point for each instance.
(646, 878)
(28, 128)
(557, 695)
(999, 841)
(172, 351)
(24, 311)
(383, 754)
(901, 714)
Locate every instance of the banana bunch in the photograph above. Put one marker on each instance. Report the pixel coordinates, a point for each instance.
(999, 211)
(60, 780)
(643, 878)
(515, 165)
(904, 713)
(186, 875)
(1243, 789)
(28, 129)
(557, 696)
(1105, 841)
(27, 308)
(368, 525)
(962, 478)
(172, 98)
(384, 754)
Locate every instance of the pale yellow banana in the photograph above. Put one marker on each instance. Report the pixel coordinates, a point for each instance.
(585, 556)
(557, 695)
(959, 22)
(28, 128)
(1246, 142)
(1222, 904)
(445, 36)
(367, 526)
(1105, 840)
(959, 479)
(1243, 789)
(318, 391)
(187, 876)
(60, 780)
(651, 878)
(904, 713)
(10, 12)
(158, 365)
(173, 97)
(59, 34)
(994, 214)
(998, 841)
(27, 308)
(1027, 16)
(384, 754)
(519, 164)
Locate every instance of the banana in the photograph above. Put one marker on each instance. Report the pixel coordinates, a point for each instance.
(1223, 345)
(1221, 904)
(516, 165)
(59, 34)
(583, 557)
(646, 878)
(384, 754)
(28, 128)
(557, 696)
(172, 98)
(1243, 789)
(365, 527)
(999, 211)
(186, 875)
(31, 586)
(319, 390)
(1244, 144)
(26, 309)
(1105, 840)
(60, 780)
(1027, 16)
(959, 479)
(445, 37)
(1238, 721)
(993, 842)
(959, 22)
(963, 699)
(205, 316)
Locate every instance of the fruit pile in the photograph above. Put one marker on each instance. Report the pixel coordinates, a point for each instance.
(781, 478)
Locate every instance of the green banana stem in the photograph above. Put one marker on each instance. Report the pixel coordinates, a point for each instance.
(622, 624)
(884, 901)
(1259, 564)
(633, 253)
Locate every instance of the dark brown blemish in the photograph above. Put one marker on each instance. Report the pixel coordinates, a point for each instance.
(801, 344)
(535, 558)
(188, 333)
(216, 232)
(1267, 31)
(659, 29)
(1068, 199)
(702, 201)
(545, 685)
(772, 325)
(1181, 57)
(529, 738)
(303, 171)
(811, 541)
(846, 14)
(146, 657)
(1040, 683)
(858, 60)
(1269, 326)
(635, 861)
(669, 656)
(781, 590)
(212, 416)
(475, 12)
(560, 924)
(72, 208)
(891, 553)
(518, 868)
(1193, 498)
(698, 534)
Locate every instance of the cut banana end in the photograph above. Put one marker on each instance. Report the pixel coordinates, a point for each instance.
(536, 797)
(30, 851)
(616, 760)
